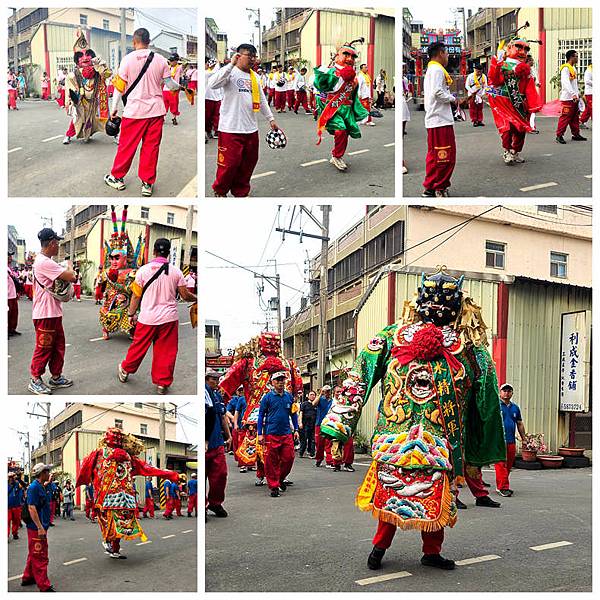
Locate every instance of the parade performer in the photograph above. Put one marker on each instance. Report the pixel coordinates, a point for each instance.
(171, 96)
(475, 84)
(86, 96)
(440, 410)
(338, 103)
(254, 364)
(586, 115)
(301, 92)
(271, 85)
(120, 264)
(111, 468)
(512, 96)
(365, 91)
(212, 103)
(569, 100)
(290, 88)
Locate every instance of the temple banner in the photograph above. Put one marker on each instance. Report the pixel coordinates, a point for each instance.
(575, 361)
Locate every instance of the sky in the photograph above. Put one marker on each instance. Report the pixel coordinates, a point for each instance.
(239, 27)
(18, 421)
(442, 17)
(180, 20)
(230, 295)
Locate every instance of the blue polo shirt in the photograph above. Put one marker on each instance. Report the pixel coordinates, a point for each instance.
(323, 408)
(149, 489)
(174, 490)
(274, 414)
(510, 415)
(89, 491)
(216, 437)
(38, 496)
(15, 495)
(241, 408)
(192, 487)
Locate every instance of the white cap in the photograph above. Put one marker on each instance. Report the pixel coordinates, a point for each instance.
(37, 469)
(278, 374)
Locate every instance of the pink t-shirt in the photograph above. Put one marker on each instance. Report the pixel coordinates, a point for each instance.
(12, 290)
(176, 76)
(146, 99)
(46, 271)
(159, 304)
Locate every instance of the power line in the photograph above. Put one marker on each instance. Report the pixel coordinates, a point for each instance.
(262, 254)
(547, 220)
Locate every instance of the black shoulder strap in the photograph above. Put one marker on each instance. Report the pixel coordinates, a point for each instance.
(138, 78)
(163, 269)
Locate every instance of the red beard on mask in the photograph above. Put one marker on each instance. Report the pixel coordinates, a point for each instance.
(113, 274)
(88, 72)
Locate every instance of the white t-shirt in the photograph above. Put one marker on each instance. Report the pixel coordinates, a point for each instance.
(587, 80)
(472, 88)
(236, 115)
(176, 75)
(300, 83)
(568, 86)
(438, 112)
(211, 94)
(364, 88)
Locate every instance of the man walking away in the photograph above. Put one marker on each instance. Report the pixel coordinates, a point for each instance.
(569, 100)
(212, 104)
(15, 504)
(149, 499)
(144, 112)
(38, 504)
(192, 504)
(171, 96)
(89, 502)
(47, 313)
(155, 292)
(586, 115)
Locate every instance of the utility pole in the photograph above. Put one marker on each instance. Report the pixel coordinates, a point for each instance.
(162, 433)
(46, 416)
(282, 36)
(275, 283)
(189, 222)
(123, 33)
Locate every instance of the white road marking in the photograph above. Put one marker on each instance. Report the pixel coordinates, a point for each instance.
(313, 162)
(362, 464)
(538, 187)
(187, 531)
(380, 578)
(549, 546)
(265, 174)
(72, 562)
(14, 150)
(144, 543)
(478, 559)
(96, 339)
(586, 176)
(388, 145)
(15, 577)
(186, 323)
(358, 152)
(191, 188)
(54, 137)
(81, 539)
(166, 537)
(67, 345)
(546, 154)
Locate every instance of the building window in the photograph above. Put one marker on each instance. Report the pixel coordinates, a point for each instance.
(385, 246)
(551, 209)
(105, 24)
(83, 19)
(558, 265)
(145, 212)
(495, 253)
(584, 53)
(119, 423)
(173, 50)
(170, 218)
(138, 405)
(143, 429)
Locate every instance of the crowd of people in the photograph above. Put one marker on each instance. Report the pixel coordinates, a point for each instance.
(511, 89)
(45, 499)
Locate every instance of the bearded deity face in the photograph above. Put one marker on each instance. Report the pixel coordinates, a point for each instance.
(439, 298)
(270, 343)
(518, 50)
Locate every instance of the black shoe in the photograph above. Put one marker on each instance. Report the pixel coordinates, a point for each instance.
(487, 501)
(374, 560)
(349, 468)
(428, 194)
(26, 582)
(14, 332)
(460, 504)
(438, 561)
(219, 511)
(560, 139)
(282, 487)
(275, 494)
(337, 468)
(318, 463)
(51, 524)
(50, 589)
(481, 124)
(288, 482)
(578, 138)
(485, 484)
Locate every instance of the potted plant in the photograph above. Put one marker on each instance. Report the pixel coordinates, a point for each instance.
(532, 444)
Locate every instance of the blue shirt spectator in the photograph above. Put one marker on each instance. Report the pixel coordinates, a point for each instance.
(511, 414)
(274, 414)
(323, 408)
(173, 490)
(241, 408)
(192, 487)
(15, 495)
(216, 437)
(39, 497)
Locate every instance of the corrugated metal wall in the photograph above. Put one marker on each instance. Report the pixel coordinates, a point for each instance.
(385, 54)
(533, 352)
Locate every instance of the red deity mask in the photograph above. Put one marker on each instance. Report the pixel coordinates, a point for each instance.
(518, 50)
(270, 343)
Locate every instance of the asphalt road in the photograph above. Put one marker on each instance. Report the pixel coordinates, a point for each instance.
(92, 362)
(167, 563)
(312, 538)
(560, 171)
(39, 165)
(302, 169)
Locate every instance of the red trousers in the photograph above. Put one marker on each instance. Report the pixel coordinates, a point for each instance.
(149, 132)
(61, 97)
(12, 99)
(513, 139)
(236, 158)
(323, 447)
(432, 540)
(45, 93)
(169, 507)
(271, 97)
(313, 101)
(441, 157)
(301, 100)
(366, 102)
(14, 520)
(211, 115)
(36, 567)
(260, 468)
(177, 506)
(77, 290)
(28, 290)
(569, 116)
(503, 468)
(475, 111)
(98, 292)
(215, 467)
(280, 100)
(71, 130)
(235, 439)
(13, 314)
(164, 339)
(347, 453)
(192, 505)
(474, 482)
(586, 115)
(52, 510)
(291, 99)
(279, 458)
(171, 100)
(149, 507)
(49, 347)
(340, 143)
(89, 508)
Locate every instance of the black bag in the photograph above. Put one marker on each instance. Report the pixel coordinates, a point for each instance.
(25, 516)
(114, 125)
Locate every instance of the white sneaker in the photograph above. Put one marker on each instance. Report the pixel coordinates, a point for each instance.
(508, 157)
(517, 157)
(338, 163)
(114, 182)
(404, 170)
(370, 124)
(66, 140)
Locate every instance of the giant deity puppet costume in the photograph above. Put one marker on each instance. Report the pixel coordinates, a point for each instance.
(120, 264)
(254, 364)
(86, 98)
(338, 104)
(111, 468)
(512, 95)
(439, 412)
